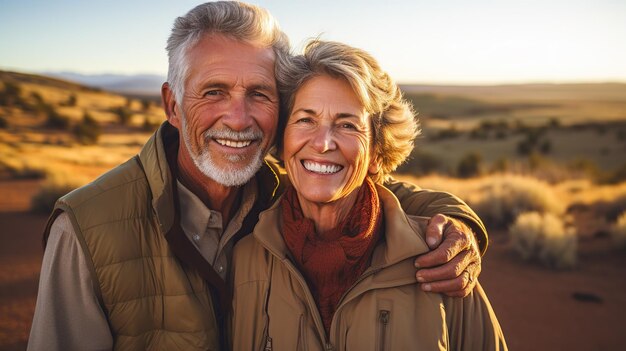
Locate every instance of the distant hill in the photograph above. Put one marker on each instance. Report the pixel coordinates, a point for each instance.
(614, 92)
(140, 84)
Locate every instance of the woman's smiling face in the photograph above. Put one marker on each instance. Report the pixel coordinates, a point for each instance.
(327, 141)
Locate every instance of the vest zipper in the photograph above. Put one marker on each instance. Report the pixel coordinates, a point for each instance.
(383, 317)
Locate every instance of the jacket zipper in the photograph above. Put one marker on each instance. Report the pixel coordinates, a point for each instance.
(268, 344)
(383, 317)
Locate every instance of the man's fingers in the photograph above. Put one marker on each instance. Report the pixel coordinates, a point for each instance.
(449, 248)
(445, 272)
(460, 286)
(434, 230)
(456, 286)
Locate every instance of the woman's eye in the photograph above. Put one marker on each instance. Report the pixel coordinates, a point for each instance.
(260, 95)
(348, 126)
(303, 120)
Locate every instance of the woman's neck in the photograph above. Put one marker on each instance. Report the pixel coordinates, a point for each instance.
(327, 216)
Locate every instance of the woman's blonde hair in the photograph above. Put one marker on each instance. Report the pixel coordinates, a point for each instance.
(394, 124)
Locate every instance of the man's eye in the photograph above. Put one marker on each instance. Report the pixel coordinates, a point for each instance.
(212, 93)
(260, 95)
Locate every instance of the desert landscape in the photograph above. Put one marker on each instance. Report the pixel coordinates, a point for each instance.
(542, 164)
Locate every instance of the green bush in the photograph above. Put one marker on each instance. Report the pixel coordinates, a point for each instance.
(543, 237)
(88, 130)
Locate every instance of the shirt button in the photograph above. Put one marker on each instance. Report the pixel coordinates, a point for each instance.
(220, 269)
(196, 237)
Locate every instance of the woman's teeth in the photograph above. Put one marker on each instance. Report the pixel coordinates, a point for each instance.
(321, 168)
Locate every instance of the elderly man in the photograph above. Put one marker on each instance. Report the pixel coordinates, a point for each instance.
(138, 259)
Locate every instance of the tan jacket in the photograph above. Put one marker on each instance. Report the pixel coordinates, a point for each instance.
(273, 308)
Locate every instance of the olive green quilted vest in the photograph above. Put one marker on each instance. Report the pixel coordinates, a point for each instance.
(151, 299)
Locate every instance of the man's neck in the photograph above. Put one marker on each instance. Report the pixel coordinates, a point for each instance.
(215, 196)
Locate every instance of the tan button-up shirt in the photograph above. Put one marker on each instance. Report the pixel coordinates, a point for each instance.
(66, 301)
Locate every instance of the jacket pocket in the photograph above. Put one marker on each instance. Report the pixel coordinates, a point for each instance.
(383, 329)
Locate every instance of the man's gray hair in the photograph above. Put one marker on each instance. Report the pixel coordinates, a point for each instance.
(238, 20)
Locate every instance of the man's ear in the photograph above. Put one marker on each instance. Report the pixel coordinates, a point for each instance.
(170, 105)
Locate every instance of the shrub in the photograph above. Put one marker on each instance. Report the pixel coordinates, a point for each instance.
(145, 104)
(470, 165)
(500, 165)
(71, 100)
(55, 120)
(88, 130)
(617, 176)
(420, 163)
(53, 188)
(543, 237)
(123, 114)
(148, 125)
(449, 133)
(545, 147)
(618, 232)
(501, 199)
(10, 94)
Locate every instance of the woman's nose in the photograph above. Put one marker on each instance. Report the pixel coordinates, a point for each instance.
(323, 140)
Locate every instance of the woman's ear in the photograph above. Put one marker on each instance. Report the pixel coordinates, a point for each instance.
(375, 165)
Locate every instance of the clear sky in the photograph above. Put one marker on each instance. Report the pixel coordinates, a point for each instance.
(418, 41)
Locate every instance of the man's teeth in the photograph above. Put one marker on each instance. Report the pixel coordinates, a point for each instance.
(320, 168)
(234, 143)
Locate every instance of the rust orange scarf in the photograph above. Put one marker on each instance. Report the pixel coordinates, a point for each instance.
(331, 262)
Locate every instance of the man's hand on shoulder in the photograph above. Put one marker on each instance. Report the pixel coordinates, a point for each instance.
(454, 264)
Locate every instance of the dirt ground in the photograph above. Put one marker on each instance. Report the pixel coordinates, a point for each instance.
(539, 309)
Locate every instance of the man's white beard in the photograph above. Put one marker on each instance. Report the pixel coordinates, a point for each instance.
(229, 175)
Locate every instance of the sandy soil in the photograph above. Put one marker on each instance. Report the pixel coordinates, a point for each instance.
(539, 309)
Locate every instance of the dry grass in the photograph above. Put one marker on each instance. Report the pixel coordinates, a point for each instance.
(544, 237)
(498, 199)
(618, 232)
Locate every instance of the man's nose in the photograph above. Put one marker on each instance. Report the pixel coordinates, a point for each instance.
(238, 114)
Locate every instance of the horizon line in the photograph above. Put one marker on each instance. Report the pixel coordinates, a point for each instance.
(504, 82)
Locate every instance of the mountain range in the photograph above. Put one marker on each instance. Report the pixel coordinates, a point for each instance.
(138, 84)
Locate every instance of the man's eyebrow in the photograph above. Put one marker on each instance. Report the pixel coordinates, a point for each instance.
(262, 87)
(214, 85)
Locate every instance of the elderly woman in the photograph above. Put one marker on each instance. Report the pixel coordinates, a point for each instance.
(330, 265)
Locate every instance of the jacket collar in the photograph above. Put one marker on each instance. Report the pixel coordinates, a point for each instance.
(403, 238)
